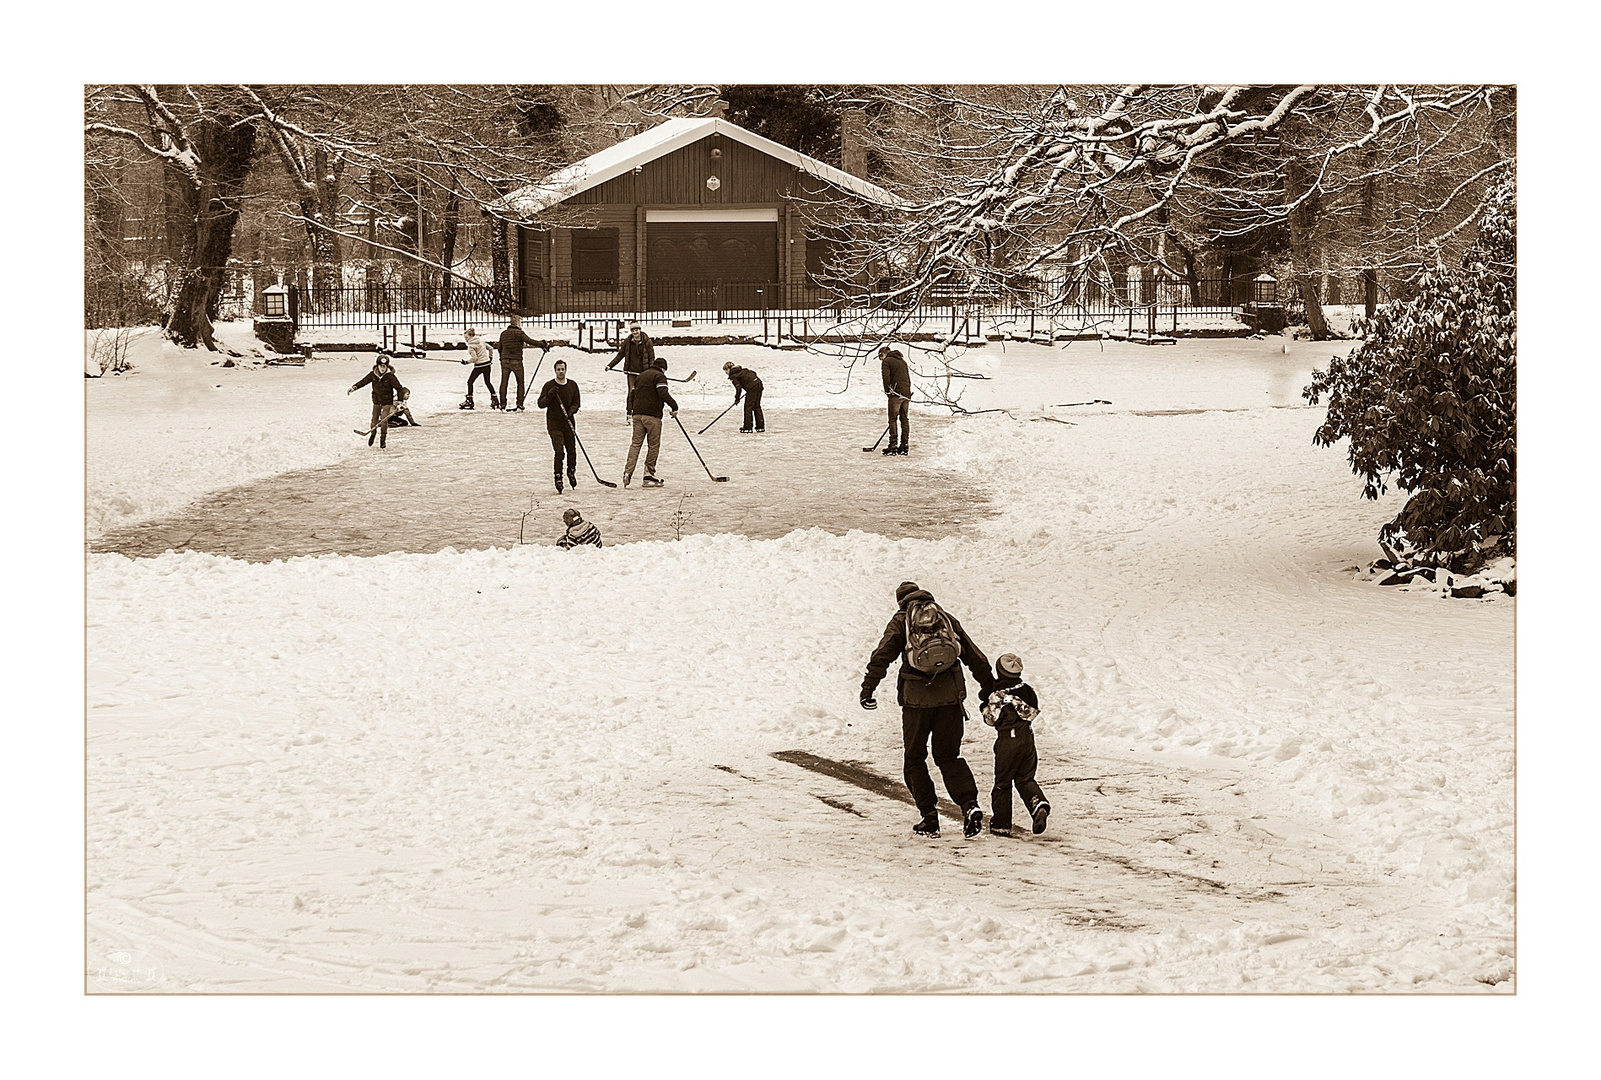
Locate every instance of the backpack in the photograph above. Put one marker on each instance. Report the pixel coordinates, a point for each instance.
(994, 710)
(931, 642)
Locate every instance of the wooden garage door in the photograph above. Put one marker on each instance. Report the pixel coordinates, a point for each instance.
(683, 258)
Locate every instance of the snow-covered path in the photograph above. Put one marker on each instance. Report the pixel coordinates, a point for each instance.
(527, 769)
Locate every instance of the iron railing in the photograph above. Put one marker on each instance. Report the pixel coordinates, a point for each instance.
(1032, 304)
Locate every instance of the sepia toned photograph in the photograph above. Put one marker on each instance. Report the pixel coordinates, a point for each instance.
(1115, 595)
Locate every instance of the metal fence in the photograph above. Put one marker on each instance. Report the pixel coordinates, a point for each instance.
(1029, 305)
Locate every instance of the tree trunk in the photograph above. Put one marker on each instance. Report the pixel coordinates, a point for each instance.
(227, 151)
(1303, 231)
(500, 252)
(1370, 219)
(447, 241)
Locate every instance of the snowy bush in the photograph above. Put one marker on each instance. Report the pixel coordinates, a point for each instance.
(1430, 398)
(107, 350)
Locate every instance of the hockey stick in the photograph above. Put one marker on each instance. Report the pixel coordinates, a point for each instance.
(543, 349)
(691, 442)
(568, 417)
(881, 434)
(1070, 404)
(666, 376)
(720, 415)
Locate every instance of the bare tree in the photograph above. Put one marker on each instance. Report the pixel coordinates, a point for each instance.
(1001, 181)
(205, 140)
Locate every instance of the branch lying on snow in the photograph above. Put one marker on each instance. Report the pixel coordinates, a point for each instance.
(950, 375)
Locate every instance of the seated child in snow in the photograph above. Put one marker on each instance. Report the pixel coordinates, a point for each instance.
(1010, 709)
(578, 531)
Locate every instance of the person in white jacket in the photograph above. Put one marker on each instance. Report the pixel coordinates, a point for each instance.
(478, 357)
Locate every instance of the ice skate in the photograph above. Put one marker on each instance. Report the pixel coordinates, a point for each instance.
(972, 822)
(1041, 812)
(928, 826)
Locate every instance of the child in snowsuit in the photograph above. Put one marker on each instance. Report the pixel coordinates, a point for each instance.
(1010, 709)
(578, 531)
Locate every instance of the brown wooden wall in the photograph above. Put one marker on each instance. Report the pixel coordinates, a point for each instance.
(749, 178)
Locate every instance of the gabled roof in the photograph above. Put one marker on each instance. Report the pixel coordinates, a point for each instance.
(663, 139)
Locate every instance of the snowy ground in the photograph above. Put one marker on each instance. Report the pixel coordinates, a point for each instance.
(522, 769)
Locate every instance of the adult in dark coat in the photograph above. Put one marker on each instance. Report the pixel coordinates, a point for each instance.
(558, 394)
(512, 340)
(749, 384)
(645, 411)
(931, 709)
(386, 390)
(898, 392)
(637, 352)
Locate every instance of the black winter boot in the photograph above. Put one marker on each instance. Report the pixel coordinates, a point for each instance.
(1042, 811)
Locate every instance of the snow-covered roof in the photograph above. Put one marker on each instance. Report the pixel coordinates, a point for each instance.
(663, 139)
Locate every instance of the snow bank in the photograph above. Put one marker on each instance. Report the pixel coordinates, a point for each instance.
(533, 769)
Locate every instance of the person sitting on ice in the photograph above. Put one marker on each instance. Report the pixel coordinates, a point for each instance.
(748, 383)
(1010, 708)
(578, 532)
(399, 413)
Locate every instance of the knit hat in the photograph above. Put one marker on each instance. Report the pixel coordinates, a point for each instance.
(905, 589)
(570, 516)
(1008, 664)
(728, 365)
(661, 362)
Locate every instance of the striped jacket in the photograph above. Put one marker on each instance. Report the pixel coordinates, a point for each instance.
(581, 532)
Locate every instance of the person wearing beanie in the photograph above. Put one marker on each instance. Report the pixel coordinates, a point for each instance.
(579, 532)
(931, 703)
(898, 392)
(1010, 708)
(645, 408)
(636, 351)
(748, 383)
(386, 389)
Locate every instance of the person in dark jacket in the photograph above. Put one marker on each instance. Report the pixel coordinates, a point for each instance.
(561, 394)
(386, 391)
(645, 409)
(579, 532)
(748, 383)
(637, 352)
(898, 392)
(931, 708)
(512, 340)
(1010, 708)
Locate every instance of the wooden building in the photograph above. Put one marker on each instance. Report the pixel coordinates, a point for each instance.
(689, 214)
